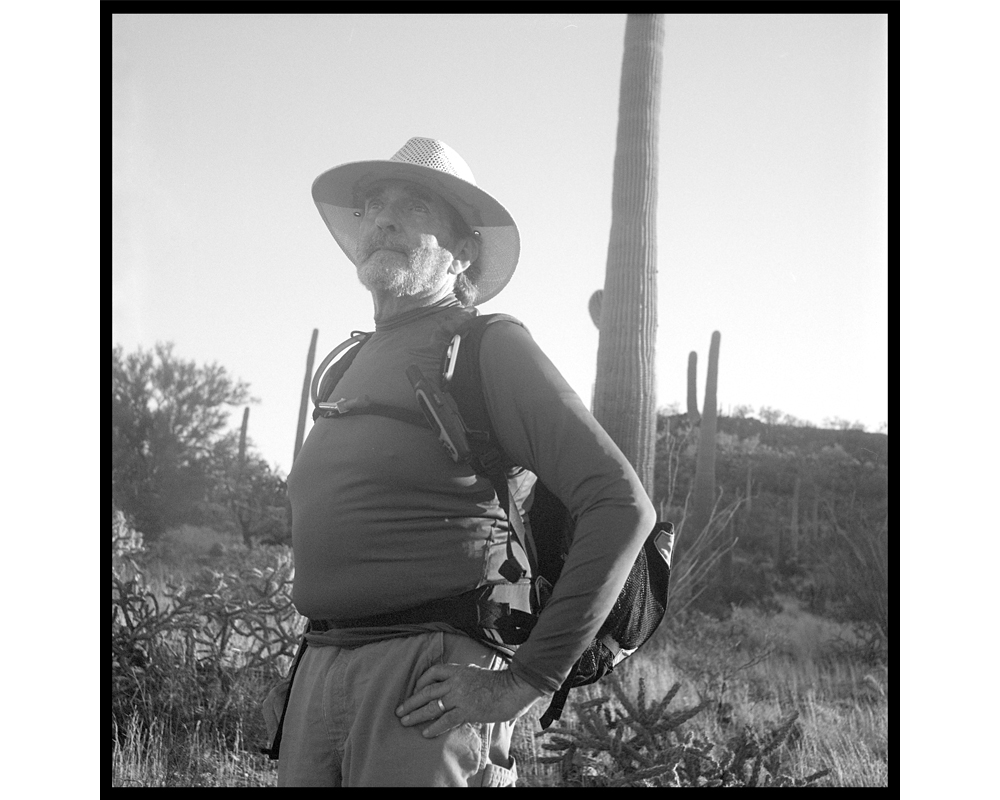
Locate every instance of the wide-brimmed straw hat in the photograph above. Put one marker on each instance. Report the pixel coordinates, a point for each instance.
(433, 164)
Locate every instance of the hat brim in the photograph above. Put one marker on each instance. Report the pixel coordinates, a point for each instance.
(337, 196)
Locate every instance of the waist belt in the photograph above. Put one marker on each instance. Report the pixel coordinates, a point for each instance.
(495, 614)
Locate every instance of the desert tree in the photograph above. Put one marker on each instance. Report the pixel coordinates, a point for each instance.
(168, 416)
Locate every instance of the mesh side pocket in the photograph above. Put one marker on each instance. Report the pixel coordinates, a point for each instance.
(634, 618)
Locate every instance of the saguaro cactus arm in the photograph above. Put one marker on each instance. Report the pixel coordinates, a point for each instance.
(594, 307)
(692, 393)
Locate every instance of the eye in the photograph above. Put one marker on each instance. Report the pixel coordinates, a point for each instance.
(373, 205)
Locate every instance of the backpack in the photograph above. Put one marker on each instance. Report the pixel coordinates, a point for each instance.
(502, 616)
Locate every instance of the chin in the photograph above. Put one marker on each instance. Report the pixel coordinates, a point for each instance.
(376, 274)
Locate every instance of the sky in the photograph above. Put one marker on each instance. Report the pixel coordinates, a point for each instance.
(772, 217)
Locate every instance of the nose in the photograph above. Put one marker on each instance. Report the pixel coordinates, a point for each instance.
(386, 218)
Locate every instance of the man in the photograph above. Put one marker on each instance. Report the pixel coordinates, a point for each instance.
(384, 520)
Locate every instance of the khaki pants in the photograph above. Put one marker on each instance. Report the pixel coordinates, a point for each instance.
(341, 728)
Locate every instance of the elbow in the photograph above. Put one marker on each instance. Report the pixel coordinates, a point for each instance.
(645, 517)
(648, 513)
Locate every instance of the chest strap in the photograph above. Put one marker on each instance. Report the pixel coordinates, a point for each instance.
(366, 406)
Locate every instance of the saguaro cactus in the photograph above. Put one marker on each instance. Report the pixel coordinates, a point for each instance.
(625, 390)
(791, 552)
(242, 452)
(237, 497)
(300, 430)
(703, 495)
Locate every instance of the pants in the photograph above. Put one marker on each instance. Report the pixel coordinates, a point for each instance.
(341, 728)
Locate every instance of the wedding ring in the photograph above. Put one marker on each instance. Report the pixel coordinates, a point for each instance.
(441, 706)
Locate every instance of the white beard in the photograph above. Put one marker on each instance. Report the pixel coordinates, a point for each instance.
(385, 271)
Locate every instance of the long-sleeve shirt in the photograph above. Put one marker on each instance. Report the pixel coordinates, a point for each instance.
(384, 520)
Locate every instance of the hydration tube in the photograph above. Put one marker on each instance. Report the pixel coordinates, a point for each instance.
(357, 337)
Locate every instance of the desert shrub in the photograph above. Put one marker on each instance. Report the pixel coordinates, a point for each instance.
(851, 583)
(626, 741)
(863, 570)
(125, 539)
(709, 653)
(694, 564)
(753, 582)
(199, 653)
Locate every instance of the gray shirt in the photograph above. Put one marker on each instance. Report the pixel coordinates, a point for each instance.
(384, 520)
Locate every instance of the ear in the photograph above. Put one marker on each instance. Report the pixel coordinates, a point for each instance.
(466, 254)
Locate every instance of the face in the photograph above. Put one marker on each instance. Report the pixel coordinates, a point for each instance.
(406, 246)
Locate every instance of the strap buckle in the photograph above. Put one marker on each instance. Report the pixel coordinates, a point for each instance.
(334, 409)
(342, 406)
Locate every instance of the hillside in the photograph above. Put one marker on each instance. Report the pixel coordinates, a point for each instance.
(805, 503)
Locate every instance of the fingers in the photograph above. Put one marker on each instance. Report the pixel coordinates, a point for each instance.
(433, 674)
(435, 712)
(473, 694)
(443, 724)
(429, 687)
(424, 702)
(443, 719)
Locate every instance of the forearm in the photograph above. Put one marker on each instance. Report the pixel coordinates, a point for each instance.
(542, 425)
(606, 544)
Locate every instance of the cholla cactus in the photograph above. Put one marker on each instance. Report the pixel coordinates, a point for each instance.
(125, 539)
(633, 742)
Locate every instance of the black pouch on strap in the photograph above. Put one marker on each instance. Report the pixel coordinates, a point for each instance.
(280, 695)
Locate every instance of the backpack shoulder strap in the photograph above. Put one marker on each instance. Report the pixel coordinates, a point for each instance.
(466, 385)
(327, 379)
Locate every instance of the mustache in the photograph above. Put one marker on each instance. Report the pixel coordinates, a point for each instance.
(376, 242)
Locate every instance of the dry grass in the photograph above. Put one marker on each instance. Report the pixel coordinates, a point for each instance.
(754, 668)
(153, 756)
(202, 631)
